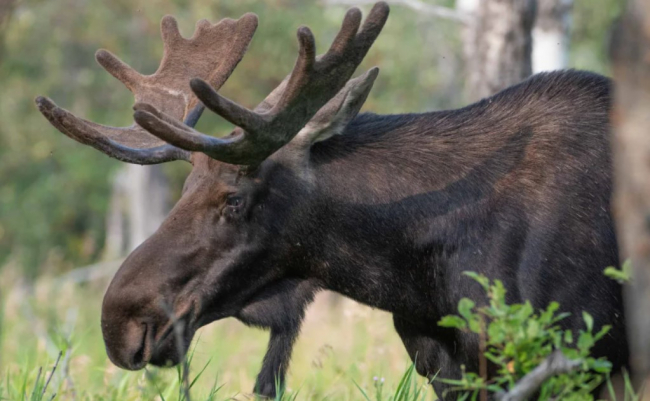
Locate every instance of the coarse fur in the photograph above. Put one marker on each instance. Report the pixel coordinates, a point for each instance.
(516, 187)
(391, 213)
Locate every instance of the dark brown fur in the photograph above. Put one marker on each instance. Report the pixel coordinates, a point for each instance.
(516, 187)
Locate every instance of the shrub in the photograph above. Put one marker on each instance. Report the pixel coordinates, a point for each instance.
(517, 339)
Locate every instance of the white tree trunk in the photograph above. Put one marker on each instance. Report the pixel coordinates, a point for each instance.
(498, 44)
(115, 245)
(139, 204)
(148, 192)
(551, 35)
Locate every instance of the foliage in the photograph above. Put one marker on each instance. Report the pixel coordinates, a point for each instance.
(622, 275)
(517, 339)
(591, 32)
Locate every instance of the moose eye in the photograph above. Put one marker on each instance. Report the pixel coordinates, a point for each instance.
(234, 201)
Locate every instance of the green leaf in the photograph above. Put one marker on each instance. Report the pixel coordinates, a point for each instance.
(498, 291)
(568, 336)
(624, 275)
(601, 366)
(479, 278)
(571, 353)
(533, 328)
(453, 322)
(525, 312)
(465, 307)
(589, 321)
(627, 267)
(496, 332)
(560, 316)
(475, 324)
(546, 317)
(585, 341)
(497, 360)
(616, 274)
(604, 330)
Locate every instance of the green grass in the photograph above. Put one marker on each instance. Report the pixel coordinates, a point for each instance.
(342, 349)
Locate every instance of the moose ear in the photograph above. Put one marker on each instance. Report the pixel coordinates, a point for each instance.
(332, 118)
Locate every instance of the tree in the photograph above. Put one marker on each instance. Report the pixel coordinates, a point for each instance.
(551, 35)
(631, 147)
(498, 44)
(139, 204)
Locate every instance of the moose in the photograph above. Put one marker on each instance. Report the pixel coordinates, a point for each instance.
(307, 194)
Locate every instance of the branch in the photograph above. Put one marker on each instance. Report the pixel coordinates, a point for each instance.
(554, 364)
(416, 5)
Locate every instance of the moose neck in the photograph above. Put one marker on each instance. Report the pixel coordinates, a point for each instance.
(398, 195)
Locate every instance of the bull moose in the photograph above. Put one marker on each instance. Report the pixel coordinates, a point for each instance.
(306, 194)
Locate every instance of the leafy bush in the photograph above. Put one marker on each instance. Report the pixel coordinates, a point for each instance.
(517, 339)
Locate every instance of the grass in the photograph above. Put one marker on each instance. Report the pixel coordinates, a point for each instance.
(345, 352)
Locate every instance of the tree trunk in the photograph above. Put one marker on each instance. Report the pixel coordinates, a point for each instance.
(498, 44)
(139, 204)
(148, 192)
(551, 35)
(115, 244)
(631, 117)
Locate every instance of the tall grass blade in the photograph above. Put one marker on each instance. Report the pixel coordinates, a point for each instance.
(365, 395)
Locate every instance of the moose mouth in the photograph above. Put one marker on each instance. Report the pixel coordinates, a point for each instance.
(171, 345)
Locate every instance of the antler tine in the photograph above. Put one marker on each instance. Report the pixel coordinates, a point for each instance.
(311, 84)
(118, 68)
(226, 108)
(372, 26)
(152, 121)
(169, 31)
(349, 29)
(302, 71)
(211, 53)
(84, 132)
(343, 57)
(241, 116)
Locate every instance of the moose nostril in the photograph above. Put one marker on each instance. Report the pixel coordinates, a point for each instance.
(138, 360)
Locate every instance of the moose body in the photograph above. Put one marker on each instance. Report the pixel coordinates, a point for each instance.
(387, 210)
(516, 187)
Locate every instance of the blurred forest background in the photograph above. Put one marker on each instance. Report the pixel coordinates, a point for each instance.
(64, 205)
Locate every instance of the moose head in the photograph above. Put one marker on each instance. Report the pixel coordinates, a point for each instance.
(237, 229)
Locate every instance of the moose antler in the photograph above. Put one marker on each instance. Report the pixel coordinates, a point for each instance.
(313, 82)
(212, 53)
